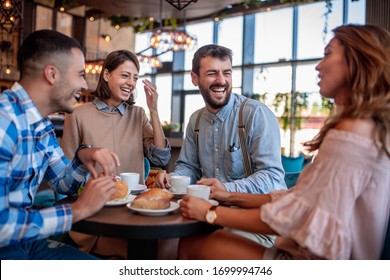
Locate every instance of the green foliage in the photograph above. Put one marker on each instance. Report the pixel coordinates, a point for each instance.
(141, 24)
(284, 101)
(168, 127)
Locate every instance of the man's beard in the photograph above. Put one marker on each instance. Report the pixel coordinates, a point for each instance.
(209, 100)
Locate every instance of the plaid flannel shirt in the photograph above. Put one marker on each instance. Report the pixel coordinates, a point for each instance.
(30, 153)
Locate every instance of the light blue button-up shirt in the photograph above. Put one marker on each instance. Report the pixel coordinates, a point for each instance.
(220, 153)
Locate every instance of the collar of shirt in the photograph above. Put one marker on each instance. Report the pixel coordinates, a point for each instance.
(100, 105)
(32, 113)
(225, 111)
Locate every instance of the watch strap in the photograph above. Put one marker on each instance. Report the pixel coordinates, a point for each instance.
(82, 146)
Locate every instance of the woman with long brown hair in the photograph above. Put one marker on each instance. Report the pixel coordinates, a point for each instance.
(340, 207)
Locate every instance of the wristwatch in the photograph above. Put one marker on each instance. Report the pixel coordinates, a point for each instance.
(82, 146)
(211, 215)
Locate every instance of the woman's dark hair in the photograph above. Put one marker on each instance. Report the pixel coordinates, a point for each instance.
(113, 61)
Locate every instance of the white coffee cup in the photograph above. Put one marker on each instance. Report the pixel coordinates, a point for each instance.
(179, 183)
(201, 191)
(131, 179)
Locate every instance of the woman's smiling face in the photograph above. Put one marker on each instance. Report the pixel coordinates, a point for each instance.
(122, 82)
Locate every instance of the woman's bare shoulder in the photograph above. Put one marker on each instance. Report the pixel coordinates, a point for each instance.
(363, 127)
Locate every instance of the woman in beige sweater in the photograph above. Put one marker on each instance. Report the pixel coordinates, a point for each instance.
(111, 120)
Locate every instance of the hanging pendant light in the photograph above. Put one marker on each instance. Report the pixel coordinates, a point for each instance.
(180, 4)
(11, 15)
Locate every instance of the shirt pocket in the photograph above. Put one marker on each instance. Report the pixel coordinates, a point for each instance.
(234, 165)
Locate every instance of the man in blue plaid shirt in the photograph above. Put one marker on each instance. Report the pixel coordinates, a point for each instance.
(51, 78)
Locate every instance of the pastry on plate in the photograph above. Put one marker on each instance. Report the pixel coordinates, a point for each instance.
(154, 199)
(121, 190)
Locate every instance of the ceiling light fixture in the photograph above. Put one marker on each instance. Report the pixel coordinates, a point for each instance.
(180, 4)
(11, 15)
(106, 37)
(175, 40)
(93, 67)
(165, 40)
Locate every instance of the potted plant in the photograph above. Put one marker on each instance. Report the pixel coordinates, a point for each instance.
(169, 127)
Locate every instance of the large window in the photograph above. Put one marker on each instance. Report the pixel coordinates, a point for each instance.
(44, 18)
(230, 34)
(284, 58)
(314, 27)
(64, 23)
(273, 36)
(204, 35)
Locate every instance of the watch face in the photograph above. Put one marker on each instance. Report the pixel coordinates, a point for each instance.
(211, 216)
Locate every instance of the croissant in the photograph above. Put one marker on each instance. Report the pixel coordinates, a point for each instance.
(121, 190)
(154, 199)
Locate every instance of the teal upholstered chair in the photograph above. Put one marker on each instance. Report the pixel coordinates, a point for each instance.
(290, 178)
(293, 164)
(146, 168)
(292, 167)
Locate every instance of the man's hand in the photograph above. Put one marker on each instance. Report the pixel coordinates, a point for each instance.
(106, 158)
(162, 180)
(214, 183)
(96, 192)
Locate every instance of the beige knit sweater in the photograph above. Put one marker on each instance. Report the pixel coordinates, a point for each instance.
(129, 136)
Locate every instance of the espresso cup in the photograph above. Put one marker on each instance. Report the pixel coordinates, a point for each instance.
(178, 184)
(131, 179)
(200, 191)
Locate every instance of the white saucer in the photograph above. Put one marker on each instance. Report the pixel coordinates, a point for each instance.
(138, 189)
(178, 195)
(211, 201)
(172, 207)
(120, 201)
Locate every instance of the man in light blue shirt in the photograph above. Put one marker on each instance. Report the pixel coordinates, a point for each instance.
(216, 158)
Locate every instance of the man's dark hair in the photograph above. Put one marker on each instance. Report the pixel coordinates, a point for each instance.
(210, 50)
(43, 44)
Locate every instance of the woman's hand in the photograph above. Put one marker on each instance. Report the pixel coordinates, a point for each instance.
(195, 208)
(151, 95)
(162, 180)
(222, 196)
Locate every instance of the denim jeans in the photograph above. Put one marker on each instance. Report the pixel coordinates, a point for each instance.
(45, 249)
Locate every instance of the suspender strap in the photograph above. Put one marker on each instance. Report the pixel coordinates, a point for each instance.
(197, 130)
(242, 134)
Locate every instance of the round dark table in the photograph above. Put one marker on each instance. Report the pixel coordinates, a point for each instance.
(142, 232)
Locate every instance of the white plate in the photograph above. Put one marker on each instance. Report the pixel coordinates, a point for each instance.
(138, 189)
(172, 207)
(120, 201)
(211, 201)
